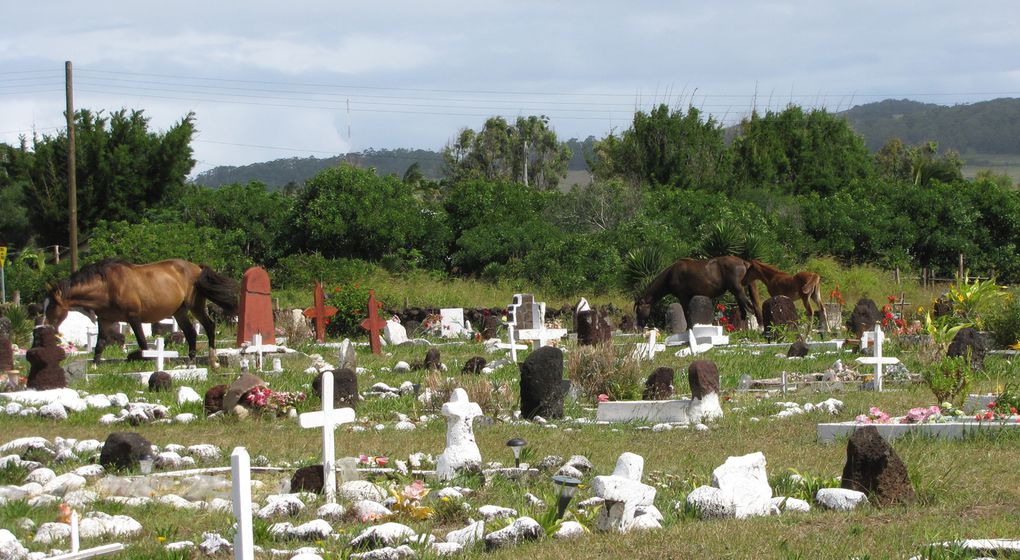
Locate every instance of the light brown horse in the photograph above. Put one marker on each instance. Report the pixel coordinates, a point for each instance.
(146, 293)
(804, 285)
(697, 277)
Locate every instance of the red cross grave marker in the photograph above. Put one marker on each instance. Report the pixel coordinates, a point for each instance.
(373, 323)
(319, 313)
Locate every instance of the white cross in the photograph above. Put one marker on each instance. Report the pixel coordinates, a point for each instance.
(512, 346)
(240, 469)
(159, 354)
(76, 552)
(327, 419)
(256, 342)
(878, 359)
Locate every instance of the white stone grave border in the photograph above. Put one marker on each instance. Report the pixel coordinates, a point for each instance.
(955, 429)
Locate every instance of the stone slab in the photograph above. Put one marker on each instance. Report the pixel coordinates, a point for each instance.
(827, 433)
(644, 411)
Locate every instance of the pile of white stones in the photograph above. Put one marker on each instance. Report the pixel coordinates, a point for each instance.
(57, 404)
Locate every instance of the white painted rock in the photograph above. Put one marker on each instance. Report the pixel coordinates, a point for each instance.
(42, 475)
(49, 533)
(175, 501)
(523, 529)
(490, 512)
(644, 523)
(188, 395)
(840, 499)
(367, 510)
(98, 401)
(10, 547)
(330, 511)
(213, 543)
(87, 447)
(710, 502)
(279, 505)
(785, 504)
(63, 484)
(317, 529)
(205, 452)
(357, 490)
(569, 530)
(402, 366)
(467, 535)
(21, 445)
(404, 426)
(179, 546)
(53, 411)
(830, 406)
(744, 480)
(98, 524)
(387, 553)
(386, 534)
(80, 499)
(446, 548)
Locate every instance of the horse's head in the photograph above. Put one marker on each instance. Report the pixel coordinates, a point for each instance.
(54, 308)
(642, 310)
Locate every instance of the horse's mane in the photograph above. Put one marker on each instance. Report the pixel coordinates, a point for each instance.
(89, 273)
(766, 266)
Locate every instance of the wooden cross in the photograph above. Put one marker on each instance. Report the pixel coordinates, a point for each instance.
(159, 354)
(878, 359)
(320, 312)
(373, 324)
(327, 419)
(244, 539)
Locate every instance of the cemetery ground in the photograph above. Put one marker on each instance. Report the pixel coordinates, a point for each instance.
(967, 488)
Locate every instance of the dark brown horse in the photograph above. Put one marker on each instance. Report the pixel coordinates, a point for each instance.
(687, 278)
(804, 285)
(146, 293)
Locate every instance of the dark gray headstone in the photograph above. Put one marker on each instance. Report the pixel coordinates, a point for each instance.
(703, 376)
(5, 328)
(474, 365)
(592, 328)
(659, 384)
(677, 320)
(433, 360)
(863, 317)
(968, 342)
(345, 388)
(122, 450)
(798, 349)
(702, 311)
(44, 358)
(542, 385)
(873, 467)
(308, 479)
(160, 381)
(490, 326)
(778, 311)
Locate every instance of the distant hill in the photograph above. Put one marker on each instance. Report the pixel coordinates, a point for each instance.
(985, 134)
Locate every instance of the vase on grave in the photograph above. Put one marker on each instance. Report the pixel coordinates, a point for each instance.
(44, 360)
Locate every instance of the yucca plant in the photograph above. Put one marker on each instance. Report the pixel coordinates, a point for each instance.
(641, 265)
(723, 238)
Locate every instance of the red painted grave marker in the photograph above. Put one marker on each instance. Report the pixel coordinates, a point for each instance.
(373, 323)
(319, 312)
(255, 313)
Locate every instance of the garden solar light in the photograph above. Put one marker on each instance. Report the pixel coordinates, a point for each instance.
(516, 445)
(566, 487)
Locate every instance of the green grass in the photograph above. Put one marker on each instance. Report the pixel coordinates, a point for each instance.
(963, 487)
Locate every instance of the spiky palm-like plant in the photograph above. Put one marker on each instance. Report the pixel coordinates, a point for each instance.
(641, 265)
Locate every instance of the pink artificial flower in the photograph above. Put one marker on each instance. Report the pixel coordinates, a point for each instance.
(415, 491)
(362, 458)
(381, 461)
(603, 398)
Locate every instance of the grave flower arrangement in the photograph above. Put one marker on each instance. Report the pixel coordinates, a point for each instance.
(917, 415)
(409, 498)
(372, 461)
(264, 399)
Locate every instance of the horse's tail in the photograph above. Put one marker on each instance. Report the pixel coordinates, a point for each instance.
(811, 285)
(218, 289)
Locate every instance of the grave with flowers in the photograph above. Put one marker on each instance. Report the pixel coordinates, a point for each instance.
(945, 422)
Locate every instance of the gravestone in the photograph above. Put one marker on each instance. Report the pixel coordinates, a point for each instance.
(160, 381)
(490, 326)
(348, 358)
(122, 450)
(659, 384)
(308, 479)
(213, 399)
(873, 467)
(623, 493)
(968, 343)
(677, 320)
(237, 390)
(778, 311)
(474, 365)
(592, 328)
(394, 332)
(542, 385)
(433, 360)
(255, 312)
(451, 323)
(319, 313)
(6, 349)
(373, 324)
(702, 311)
(863, 317)
(703, 376)
(525, 313)
(461, 451)
(345, 388)
(79, 329)
(44, 360)
(798, 349)
(627, 324)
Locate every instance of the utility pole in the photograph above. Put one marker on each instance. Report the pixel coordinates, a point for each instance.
(525, 162)
(72, 189)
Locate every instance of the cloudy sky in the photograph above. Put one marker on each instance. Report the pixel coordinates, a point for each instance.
(270, 80)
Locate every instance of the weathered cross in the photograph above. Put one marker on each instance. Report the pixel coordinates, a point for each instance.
(327, 419)
(320, 312)
(244, 538)
(373, 323)
(160, 354)
(878, 359)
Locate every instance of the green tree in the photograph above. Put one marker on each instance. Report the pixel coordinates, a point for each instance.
(799, 153)
(122, 170)
(666, 147)
(919, 164)
(353, 213)
(15, 227)
(527, 152)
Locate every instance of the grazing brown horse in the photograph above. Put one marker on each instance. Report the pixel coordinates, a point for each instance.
(687, 278)
(804, 285)
(145, 293)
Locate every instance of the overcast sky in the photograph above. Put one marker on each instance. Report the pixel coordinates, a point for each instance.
(269, 80)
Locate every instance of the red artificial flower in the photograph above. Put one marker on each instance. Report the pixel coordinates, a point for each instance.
(892, 299)
(729, 328)
(381, 461)
(992, 404)
(977, 417)
(720, 307)
(1012, 410)
(336, 290)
